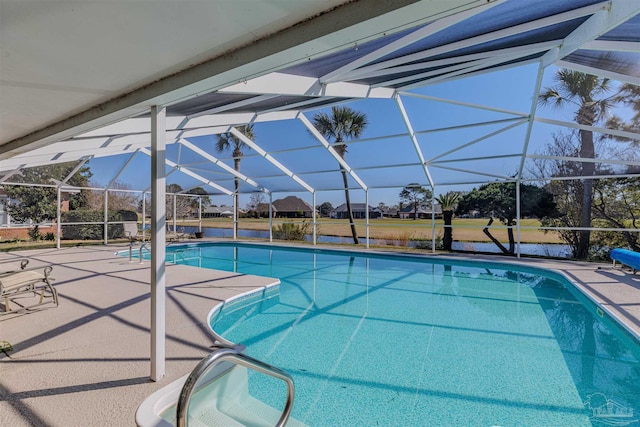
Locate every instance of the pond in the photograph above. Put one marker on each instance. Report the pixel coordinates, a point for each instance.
(539, 249)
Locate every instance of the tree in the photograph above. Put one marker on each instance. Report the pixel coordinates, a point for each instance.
(184, 205)
(38, 204)
(325, 209)
(416, 195)
(617, 204)
(628, 95)
(567, 193)
(588, 94)
(118, 200)
(205, 200)
(448, 203)
(341, 125)
(606, 207)
(229, 142)
(498, 199)
(257, 205)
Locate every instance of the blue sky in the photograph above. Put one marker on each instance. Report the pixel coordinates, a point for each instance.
(511, 89)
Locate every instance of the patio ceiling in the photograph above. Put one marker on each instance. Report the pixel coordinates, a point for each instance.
(263, 68)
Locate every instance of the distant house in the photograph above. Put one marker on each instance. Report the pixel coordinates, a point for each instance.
(217, 212)
(387, 212)
(358, 210)
(424, 212)
(292, 207)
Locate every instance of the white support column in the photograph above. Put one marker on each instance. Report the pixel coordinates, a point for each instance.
(175, 212)
(106, 217)
(433, 221)
(366, 215)
(158, 235)
(144, 213)
(527, 139)
(518, 218)
(235, 216)
(199, 214)
(315, 240)
(58, 217)
(270, 218)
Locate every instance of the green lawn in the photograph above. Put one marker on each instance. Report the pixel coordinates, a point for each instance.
(464, 229)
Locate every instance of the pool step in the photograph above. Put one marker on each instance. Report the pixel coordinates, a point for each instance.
(223, 401)
(226, 402)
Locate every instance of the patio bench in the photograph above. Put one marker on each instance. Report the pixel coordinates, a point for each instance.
(27, 280)
(624, 256)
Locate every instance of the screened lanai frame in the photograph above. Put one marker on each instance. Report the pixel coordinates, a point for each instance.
(390, 65)
(380, 69)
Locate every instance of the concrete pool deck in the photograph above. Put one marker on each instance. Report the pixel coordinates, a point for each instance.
(86, 363)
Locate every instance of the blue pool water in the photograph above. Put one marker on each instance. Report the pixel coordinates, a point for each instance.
(405, 341)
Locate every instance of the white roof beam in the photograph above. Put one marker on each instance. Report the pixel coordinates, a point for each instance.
(194, 175)
(472, 125)
(455, 71)
(76, 169)
(585, 160)
(129, 126)
(442, 72)
(11, 173)
(477, 140)
(117, 175)
(540, 23)
(616, 12)
(477, 158)
(407, 40)
(289, 84)
(467, 75)
(231, 106)
(332, 151)
(579, 177)
(66, 147)
(612, 46)
(620, 133)
(277, 83)
(460, 60)
(220, 119)
(222, 165)
(473, 172)
(624, 78)
(463, 104)
(414, 140)
(294, 106)
(271, 159)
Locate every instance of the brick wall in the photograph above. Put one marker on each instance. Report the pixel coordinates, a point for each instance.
(22, 233)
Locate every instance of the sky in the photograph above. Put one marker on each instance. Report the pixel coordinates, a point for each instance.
(371, 155)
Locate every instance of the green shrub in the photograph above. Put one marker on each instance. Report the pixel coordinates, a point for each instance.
(95, 231)
(291, 231)
(34, 233)
(49, 236)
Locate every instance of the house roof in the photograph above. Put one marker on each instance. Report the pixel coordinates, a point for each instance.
(226, 210)
(292, 204)
(421, 209)
(355, 207)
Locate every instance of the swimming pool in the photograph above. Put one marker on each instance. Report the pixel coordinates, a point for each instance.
(394, 340)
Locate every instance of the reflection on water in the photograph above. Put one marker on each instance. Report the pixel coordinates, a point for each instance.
(604, 365)
(551, 250)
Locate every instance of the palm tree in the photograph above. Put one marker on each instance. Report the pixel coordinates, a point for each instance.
(587, 93)
(448, 204)
(342, 124)
(226, 142)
